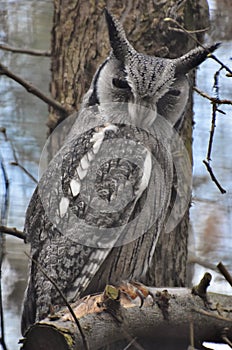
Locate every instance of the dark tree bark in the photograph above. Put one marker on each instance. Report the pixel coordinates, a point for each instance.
(80, 44)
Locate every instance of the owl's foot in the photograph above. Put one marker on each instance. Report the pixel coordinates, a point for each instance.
(134, 289)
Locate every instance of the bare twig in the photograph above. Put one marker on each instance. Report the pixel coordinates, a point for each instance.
(215, 102)
(213, 177)
(25, 51)
(212, 99)
(191, 333)
(33, 90)
(131, 343)
(16, 162)
(225, 338)
(3, 218)
(12, 231)
(221, 267)
(211, 314)
(213, 125)
(86, 346)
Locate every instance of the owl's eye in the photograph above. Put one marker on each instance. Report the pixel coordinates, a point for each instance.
(120, 84)
(174, 92)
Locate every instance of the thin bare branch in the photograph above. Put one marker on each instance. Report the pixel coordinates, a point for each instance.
(33, 90)
(225, 337)
(212, 99)
(213, 177)
(221, 267)
(132, 341)
(3, 218)
(212, 130)
(210, 314)
(25, 51)
(12, 231)
(16, 161)
(197, 31)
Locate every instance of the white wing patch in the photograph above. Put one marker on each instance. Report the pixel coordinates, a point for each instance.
(83, 167)
(147, 166)
(75, 186)
(63, 206)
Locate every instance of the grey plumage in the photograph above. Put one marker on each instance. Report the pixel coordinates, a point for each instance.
(99, 208)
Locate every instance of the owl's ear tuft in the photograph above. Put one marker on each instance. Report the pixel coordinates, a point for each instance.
(193, 58)
(118, 41)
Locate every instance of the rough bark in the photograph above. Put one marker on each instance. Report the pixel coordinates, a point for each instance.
(80, 44)
(160, 326)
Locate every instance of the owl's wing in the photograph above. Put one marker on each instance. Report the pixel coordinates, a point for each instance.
(80, 211)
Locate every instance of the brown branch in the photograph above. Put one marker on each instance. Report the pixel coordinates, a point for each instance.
(197, 31)
(33, 90)
(212, 99)
(213, 177)
(221, 267)
(146, 322)
(201, 288)
(13, 232)
(25, 51)
(211, 314)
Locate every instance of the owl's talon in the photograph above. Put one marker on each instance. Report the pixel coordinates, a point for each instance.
(133, 290)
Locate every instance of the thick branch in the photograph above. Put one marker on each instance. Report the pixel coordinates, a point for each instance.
(164, 320)
(25, 51)
(221, 267)
(33, 90)
(13, 232)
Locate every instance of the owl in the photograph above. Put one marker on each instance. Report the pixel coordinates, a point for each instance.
(97, 212)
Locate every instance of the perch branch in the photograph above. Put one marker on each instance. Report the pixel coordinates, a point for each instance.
(25, 51)
(33, 90)
(13, 232)
(144, 322)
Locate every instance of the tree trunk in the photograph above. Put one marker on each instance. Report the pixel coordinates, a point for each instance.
(80, 44)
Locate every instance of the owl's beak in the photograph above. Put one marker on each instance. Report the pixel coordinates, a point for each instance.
(142, 113)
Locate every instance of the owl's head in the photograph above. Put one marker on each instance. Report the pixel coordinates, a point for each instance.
(158, 84)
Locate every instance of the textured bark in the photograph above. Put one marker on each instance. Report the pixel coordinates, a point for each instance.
(153, 326)
(80, 44)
